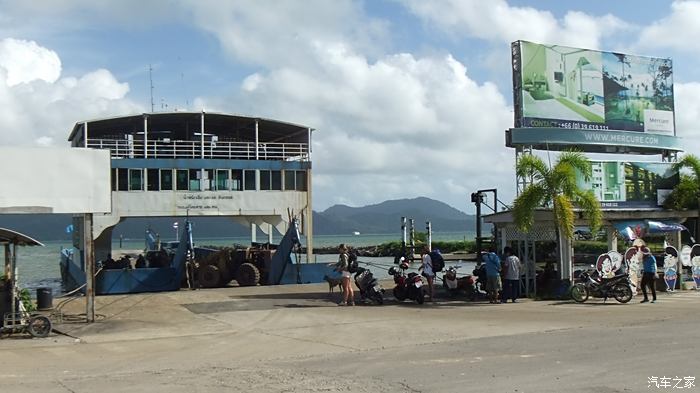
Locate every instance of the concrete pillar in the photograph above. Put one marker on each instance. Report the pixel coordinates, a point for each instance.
(89, 248)
(253, 233)
(565, 257)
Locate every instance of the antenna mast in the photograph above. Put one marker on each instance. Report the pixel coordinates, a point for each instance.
(150, 77)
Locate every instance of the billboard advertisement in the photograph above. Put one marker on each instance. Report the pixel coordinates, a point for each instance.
(625, 184)
(561, 87)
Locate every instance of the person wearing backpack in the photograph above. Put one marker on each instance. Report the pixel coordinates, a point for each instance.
(511, 282)
(343, 267)
(427, 271)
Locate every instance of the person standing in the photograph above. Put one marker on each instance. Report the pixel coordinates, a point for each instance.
(493, 275)
(342, 267)
(427, 271)
(512, 267)
(648, 274)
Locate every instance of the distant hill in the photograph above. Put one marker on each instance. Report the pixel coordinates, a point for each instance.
(381, 218)
(385, 217)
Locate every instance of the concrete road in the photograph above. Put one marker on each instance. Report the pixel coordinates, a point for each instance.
(294, 339)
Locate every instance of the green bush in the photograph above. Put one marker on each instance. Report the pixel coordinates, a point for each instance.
(26, 298)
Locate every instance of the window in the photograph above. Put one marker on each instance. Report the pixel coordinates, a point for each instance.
(295, 180)
(301, 181)
(222, 181)
(208, 181)
(182, 180)
(276, 180)
(123, 179)
(153, 182)
(249, 179)
(265, 180)
(114, 179)
(289, 180)
(135, 179)
(166, 179)
(194, 180)
(237, 180)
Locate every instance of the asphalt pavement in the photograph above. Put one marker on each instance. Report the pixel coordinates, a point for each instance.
(294, 338)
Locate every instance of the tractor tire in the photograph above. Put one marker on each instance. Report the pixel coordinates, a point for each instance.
(248, 275)
(209, 276)
(223, 262)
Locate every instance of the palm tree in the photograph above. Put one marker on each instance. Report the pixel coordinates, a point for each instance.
(691, 162)
(556, 188)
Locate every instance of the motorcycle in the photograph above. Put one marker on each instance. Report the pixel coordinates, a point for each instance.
(454, 285)
(619, 287)
(369, 286)
(407, 286)
(479, 291)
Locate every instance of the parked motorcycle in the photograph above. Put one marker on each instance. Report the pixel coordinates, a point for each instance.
(480, 283)
(407, 286)
(456, 285)
(369, 286)
(618, 287)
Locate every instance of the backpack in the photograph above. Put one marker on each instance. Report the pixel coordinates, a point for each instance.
(437, 260)
(352, 262)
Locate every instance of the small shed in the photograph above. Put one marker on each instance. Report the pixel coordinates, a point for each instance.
(545, 230)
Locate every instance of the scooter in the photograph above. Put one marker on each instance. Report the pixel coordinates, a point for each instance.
(407, 286)
(618, 287)
(454, 285)
(369, 286)
(479, 291)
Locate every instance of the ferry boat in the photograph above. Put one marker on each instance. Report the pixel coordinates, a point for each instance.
(252, 170)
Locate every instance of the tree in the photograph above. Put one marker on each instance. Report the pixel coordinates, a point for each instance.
(556, 188)
(684, 192)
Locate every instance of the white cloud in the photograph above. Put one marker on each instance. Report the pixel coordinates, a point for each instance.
(397, 127)
(679, 30)
(687, 111)
(496, 20)
(38, 107)
(25, 61)
(286, 31)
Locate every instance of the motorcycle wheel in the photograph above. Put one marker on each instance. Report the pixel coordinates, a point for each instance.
(622, 293)
(420, 296)
(579, 293)
(378, 298)
(399, 294)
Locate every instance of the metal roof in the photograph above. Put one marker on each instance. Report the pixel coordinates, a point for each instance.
(183, 119)
(12, 237)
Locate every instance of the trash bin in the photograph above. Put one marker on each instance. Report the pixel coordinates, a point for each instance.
(44, 298)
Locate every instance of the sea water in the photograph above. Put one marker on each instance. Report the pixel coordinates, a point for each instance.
(39, 266)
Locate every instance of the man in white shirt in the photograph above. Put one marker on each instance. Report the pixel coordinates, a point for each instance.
(512, 269)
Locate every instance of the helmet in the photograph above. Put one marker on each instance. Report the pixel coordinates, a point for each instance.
(392, 271)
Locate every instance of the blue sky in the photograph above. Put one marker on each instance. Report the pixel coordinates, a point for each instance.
(409, 98)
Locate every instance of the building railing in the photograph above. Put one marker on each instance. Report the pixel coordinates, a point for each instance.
(124, 148)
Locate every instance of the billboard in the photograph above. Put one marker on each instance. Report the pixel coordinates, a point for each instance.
(55, 180)
(561, 87)
(625, 184)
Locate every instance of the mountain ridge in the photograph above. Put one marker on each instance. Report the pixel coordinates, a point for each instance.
(380, 218)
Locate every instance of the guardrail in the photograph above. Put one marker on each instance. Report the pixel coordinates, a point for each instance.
(120, 148)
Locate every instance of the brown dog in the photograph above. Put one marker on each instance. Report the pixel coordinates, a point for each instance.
(332, 283)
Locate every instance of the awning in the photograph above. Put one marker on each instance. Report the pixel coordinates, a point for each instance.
(12, 237)
(634, 229)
